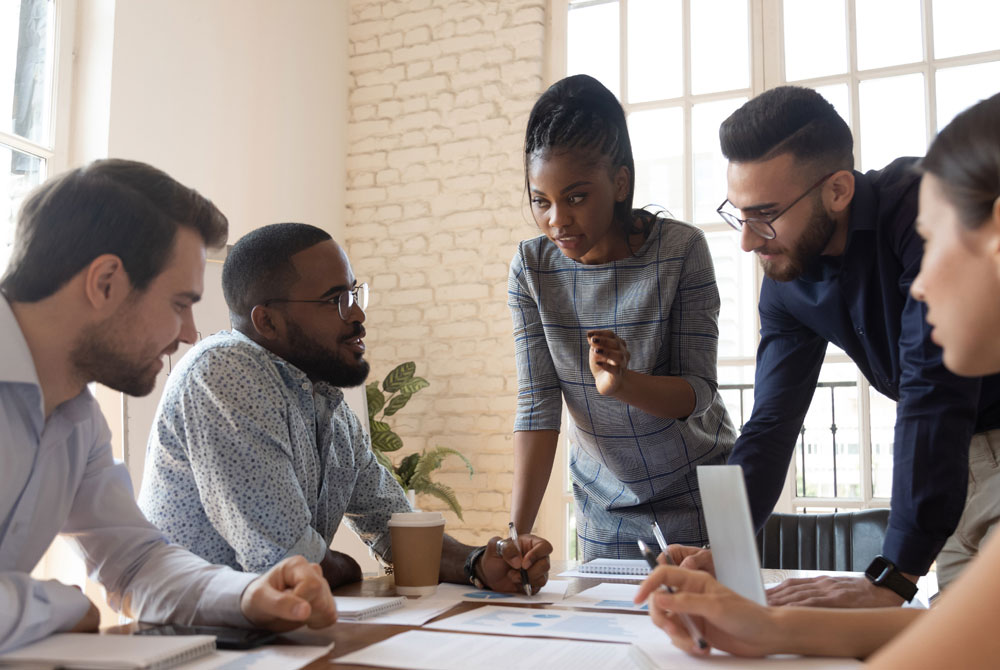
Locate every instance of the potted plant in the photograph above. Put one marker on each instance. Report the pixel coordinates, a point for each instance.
(414, 471)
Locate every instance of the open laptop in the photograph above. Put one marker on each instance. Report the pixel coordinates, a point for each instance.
(730, 530)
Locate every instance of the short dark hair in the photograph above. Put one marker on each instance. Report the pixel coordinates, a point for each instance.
(965, 156)
(111, 206)
(259, 266)
(579, 113)
(788, 119)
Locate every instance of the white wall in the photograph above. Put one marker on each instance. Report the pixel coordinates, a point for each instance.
(244, 100)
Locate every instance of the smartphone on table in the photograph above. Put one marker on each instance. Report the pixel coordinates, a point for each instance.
(225, 638)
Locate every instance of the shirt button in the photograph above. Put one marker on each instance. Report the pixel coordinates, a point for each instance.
(306, 386)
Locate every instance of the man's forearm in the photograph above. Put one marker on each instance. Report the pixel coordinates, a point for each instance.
(339, 569)
(453, 555)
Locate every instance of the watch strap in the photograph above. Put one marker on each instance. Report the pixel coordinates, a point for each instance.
(882, 572)
(470, 566)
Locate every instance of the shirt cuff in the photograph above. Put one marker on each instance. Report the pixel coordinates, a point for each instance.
(68, 605)
(704, 395)
(911, 553)
(310, 545)
(219, 604)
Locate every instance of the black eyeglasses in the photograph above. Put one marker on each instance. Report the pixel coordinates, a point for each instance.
(344, 301)
(763, 227)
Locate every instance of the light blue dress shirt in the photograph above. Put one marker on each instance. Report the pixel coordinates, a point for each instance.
(58, 476)
(250, 462)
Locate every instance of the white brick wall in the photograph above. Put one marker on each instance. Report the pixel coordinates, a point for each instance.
(440, 92)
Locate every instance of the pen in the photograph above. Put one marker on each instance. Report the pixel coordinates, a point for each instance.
(662, 541)
(524, 573)
(685, 619)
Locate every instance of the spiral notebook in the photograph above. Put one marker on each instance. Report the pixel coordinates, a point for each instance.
(109, 652)
(615, 566)
(354, 608)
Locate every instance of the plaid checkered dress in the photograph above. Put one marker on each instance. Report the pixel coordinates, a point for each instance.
(628, 467)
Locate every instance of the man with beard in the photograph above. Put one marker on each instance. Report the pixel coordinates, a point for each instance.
(254, 455)
(107, 261)
(839, 251)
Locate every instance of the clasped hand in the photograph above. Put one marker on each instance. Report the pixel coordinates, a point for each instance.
(291, 594)
(503, 573)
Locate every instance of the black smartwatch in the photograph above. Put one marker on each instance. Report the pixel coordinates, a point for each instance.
(882, 572)
(470, 567)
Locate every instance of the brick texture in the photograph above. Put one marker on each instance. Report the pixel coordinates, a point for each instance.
(440, 93)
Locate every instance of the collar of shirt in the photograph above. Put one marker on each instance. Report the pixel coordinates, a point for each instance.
(293, 376)
(863, 218)
(18, 367)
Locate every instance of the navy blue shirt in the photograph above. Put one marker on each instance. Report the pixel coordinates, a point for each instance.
(861, 302)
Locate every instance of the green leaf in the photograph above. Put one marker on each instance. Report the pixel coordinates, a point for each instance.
(440, 491)
(397, 403)
(386, 440)
(431, 461)
(378, 426)
(405, 469)
(376, 399)
(400, 375)
(414, 385)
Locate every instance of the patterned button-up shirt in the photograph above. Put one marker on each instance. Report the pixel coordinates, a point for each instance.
(249, 462)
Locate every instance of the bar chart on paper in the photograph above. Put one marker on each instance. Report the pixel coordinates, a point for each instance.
(606, 627)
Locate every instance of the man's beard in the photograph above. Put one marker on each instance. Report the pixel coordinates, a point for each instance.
(322, 364)
(807, 249)
(96, 356)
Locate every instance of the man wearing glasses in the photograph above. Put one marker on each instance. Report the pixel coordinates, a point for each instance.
(254, 456)
(839, 251)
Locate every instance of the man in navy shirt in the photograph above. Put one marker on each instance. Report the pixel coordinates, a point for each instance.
(839, 252)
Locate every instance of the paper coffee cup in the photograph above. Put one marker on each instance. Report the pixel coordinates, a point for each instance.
(417, 538)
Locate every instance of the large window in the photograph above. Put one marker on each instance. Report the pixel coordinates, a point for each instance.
(27, 144)
(896, 70)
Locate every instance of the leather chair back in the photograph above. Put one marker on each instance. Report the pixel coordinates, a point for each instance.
(840, 541)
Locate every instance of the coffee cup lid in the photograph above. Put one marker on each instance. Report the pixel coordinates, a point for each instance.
(416, 519)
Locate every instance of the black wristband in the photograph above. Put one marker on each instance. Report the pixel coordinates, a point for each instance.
(470, 567)
(882, 572)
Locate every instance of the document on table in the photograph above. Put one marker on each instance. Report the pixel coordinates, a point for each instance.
(606, 597)
(270, 657)
(426, 650)
(418, 611)
(658, 653)
(598, 626)
(553, 591)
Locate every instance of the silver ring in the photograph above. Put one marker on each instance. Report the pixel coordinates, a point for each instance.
(500, 548)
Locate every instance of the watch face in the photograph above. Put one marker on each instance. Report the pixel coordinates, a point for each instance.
(878, 569)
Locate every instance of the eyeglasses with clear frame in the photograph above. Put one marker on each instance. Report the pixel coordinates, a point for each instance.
(344, 301)
(760, 226)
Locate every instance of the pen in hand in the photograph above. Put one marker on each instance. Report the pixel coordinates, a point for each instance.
(662, 541)
(524, 573)
(685, 619)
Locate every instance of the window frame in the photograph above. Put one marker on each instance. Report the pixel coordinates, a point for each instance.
(55, 151)
(767, 70)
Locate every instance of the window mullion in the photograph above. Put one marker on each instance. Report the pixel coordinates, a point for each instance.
(769, 45)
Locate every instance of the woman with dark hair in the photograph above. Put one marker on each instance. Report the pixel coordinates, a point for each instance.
(615, 310)
(959, 281)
